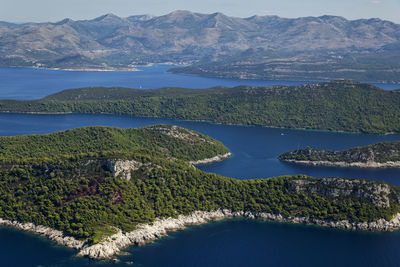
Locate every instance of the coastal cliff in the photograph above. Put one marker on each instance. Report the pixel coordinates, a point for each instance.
(381, 155)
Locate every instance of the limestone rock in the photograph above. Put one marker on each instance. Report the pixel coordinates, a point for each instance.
(121, 168)
(146, 233)
(52, 234)
(211, 160)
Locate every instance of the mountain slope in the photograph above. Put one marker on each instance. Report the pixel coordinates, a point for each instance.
(162, 140)
(186, 37)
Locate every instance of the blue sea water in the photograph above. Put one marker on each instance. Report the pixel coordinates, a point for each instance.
(232, 243)
(225, 243)
(255, 149)
(33, 83)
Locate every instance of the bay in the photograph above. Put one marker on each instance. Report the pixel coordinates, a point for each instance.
(255, 150)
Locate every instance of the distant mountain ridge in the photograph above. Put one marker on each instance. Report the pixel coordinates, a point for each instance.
(187, 37)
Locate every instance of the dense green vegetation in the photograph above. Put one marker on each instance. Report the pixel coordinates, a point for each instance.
(338, 106)
(65, 185)
(51, 193)
(381, 153)
(162, 140)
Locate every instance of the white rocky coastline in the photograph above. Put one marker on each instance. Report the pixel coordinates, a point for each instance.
(146, 233)
(52, 234)
(211, 160)
(368, 164)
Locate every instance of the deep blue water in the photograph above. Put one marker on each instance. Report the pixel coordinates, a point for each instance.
(237, 242)
(255, 149)
(252, 243)
(231, 242)
(225, 243)
(32, 83)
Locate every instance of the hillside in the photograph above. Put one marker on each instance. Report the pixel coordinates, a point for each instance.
(96, 205)
(327, 47)
(378, 155)
(379, 66)
(336, 106)
(162, 140)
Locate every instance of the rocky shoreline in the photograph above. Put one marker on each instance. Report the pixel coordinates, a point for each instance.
(369, 164)
(146, 233)
(211, 160)
(52, 234)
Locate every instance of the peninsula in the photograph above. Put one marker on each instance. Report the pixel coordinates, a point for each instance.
(381, 155)
(334, 106)
(101, 189)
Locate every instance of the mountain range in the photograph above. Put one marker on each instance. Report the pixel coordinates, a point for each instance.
(209, 42)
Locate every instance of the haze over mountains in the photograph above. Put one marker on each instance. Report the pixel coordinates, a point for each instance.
(259, 46)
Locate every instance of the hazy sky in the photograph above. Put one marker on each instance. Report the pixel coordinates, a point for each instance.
(55, 10)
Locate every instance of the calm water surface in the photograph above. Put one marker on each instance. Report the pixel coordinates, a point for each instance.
(31, 83)
(255, 149)
(225, 243)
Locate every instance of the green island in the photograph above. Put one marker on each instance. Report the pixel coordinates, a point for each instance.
(335, 106)
(100, 189)
(386, 154)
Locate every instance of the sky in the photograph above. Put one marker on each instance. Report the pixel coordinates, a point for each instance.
(56, 10)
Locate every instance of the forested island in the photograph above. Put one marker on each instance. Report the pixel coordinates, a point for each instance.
(100, 189)
(379, 155)
(335, 106)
